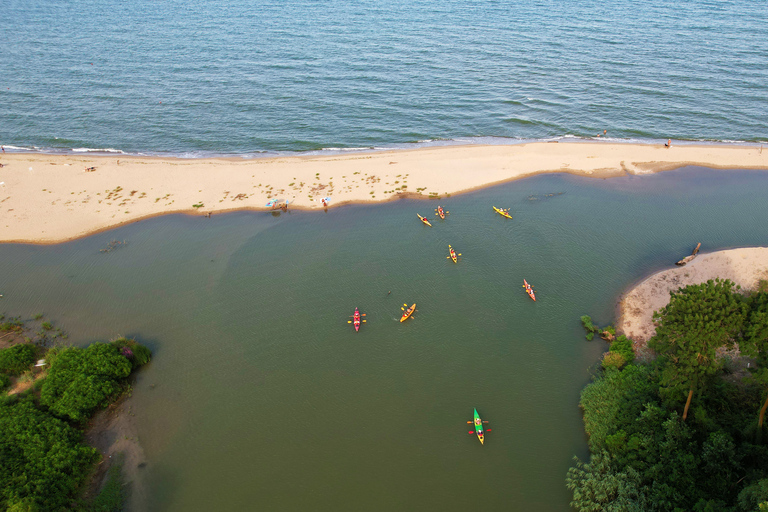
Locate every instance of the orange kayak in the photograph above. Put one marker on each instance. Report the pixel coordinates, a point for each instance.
(408, 312)
(529, 290)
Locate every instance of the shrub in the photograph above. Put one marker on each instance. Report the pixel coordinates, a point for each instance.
(613, 360)
(80, 380)
(44, 461)
(136, 353)
(112, 494)
(623, 346)
(13, 324)
(586, 321)
(5, 381)
(17, 359)
(47, 326)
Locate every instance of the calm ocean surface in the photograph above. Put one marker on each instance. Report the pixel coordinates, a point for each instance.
(244, 77)
(260, 396)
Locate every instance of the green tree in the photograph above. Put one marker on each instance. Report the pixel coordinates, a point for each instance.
(755, 344)
(80, 380)
(42, 459)
(600, 486)
(16, 359)
(698, 320)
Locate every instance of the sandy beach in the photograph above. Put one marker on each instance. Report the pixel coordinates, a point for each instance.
(52, 198)
(744, 266)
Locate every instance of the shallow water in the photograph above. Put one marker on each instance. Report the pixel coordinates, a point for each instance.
(260, 395)
(239, 77)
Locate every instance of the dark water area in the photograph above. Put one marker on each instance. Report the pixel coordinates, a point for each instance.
(239, 77)
(261, 395)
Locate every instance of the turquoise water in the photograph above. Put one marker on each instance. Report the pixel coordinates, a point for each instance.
(261, 396)
(242, 77)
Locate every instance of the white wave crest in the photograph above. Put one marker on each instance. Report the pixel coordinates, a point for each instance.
(97, 150)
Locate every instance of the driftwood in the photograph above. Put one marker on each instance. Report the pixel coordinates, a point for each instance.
(688, 259)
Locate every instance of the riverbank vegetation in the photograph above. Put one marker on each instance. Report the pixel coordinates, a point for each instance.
(43, 459)
(683, 430)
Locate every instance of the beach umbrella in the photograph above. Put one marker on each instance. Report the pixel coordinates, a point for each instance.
(271, 204)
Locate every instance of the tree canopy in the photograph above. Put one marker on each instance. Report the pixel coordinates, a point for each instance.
(42, 458)
(80, 380)
(644, 455)
(698, 320)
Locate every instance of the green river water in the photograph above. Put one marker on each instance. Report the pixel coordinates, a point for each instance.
(260, 396)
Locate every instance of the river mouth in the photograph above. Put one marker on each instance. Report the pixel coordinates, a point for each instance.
(259, 390)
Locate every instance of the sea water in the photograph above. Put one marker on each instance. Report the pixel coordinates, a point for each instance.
(239, 77)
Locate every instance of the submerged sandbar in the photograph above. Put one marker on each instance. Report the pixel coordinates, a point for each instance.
(53, 198)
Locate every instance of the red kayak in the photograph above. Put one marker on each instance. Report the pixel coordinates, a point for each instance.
(357, 320)
(529, 290)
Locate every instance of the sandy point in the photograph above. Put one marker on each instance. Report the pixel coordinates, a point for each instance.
(53, 198)
(744, 266)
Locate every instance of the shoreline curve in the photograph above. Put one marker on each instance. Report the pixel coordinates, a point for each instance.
(49, 198)
(745, 266)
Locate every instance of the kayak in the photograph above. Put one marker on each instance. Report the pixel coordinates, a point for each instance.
(479, 428)
(440, 212)
(425, 221)
(529, 290)
(356, 320)
(408, 312)
(453, 254)
(502, 212)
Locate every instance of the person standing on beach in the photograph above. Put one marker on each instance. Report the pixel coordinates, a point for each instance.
(668, 144)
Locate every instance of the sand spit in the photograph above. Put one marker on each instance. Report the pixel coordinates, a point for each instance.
(53, 198)
(744, 266)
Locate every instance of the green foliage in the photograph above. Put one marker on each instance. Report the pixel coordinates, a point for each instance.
(5, 381)
(16, 359)
(753, 495)
(698, 320)
(80, 380)
(613, 360)
(643, 456)
(755, 342)
(47, 326)
(112, 495)
(137, 354)
(623, 347)
(42, 458)
(615, 401)
(601, 486)
(13, 324)
(38, 316)
(586, 321)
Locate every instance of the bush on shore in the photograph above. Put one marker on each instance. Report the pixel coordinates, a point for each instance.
(647, 452)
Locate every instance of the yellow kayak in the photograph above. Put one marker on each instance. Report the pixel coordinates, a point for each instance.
(407, 312)
(425, 221)
(502, 212)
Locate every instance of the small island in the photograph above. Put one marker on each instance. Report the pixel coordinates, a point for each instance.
(676, 414)
(48, 394)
